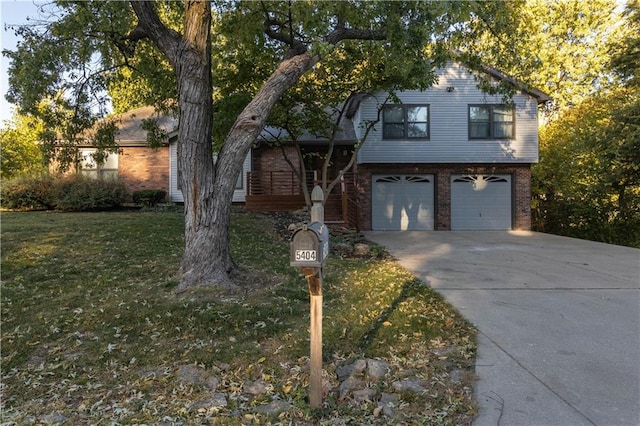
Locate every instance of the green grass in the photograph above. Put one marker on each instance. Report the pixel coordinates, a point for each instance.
(93, 333)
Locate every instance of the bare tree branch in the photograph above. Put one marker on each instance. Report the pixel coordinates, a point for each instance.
(341, 33)
(273, 29)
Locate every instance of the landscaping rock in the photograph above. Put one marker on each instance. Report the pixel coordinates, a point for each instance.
(377, 369)
(412, 384)
(342, 249)
(388, 411)
(361, 249)
(355, 368)
(359, 366)
(195, 375)
(446, 351)
(274, 408)
(259, 387)
(350, 385)
(53, 418)
(387, 403)
(343, 371)
(389, 398)
(456, 376)
(365, 395)
(217, 400)
(354, 377)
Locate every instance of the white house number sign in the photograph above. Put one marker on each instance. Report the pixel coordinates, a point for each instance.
(306, 255)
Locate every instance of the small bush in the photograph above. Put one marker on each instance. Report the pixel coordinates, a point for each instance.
(28, 193)
(68, 193)
(80, 193)
(149, 197)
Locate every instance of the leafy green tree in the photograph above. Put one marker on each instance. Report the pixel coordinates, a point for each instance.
(348, 70)
(625, 53)
(294, 119)
(19, 150)
(625, 133)
(262, 50)
(587, 183)
(146, 77)
(561, 47)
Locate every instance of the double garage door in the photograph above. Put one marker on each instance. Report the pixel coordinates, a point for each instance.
(406, 202)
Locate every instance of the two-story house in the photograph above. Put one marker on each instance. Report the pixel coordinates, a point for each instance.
(449, 158)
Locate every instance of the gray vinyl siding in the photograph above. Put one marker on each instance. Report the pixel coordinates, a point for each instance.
(175, 194)
(449, 131)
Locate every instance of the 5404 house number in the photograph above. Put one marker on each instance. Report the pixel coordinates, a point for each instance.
(306, 255)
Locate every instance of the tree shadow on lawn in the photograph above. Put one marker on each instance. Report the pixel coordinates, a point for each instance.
(410, 289)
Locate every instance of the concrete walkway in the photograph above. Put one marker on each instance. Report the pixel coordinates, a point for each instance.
(558, 321)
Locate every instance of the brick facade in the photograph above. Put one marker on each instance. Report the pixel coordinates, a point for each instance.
(521, 188)
(144, 168)
(271, 159)
(274, 171)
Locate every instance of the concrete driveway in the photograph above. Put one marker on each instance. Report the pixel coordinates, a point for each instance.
(558, 321)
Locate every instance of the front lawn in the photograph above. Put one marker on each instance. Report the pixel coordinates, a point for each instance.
(93, 332)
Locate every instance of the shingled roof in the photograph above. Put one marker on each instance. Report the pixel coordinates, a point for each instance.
(130, 131)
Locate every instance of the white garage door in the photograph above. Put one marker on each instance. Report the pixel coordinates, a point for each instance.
(481, 202)
(402, 202)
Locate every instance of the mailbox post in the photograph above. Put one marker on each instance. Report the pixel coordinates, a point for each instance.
(309, 250)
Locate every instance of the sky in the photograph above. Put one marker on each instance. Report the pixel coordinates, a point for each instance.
(11, 12)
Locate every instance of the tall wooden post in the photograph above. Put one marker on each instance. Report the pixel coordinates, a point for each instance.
(315, 293)
(309, 250)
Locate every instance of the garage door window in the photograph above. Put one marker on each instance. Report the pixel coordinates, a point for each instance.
(479, 182)
(405, 122)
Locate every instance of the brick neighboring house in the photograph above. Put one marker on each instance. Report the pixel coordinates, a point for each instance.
(138, 165)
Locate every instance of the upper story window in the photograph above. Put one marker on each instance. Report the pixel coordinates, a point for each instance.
(491, 122)
(91, 168)
(405, 122)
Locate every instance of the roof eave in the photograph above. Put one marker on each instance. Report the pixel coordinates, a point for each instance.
(541, 96)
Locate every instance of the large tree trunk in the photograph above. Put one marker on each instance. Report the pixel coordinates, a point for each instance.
(209, 261)
(206, 258)
(208, 188)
